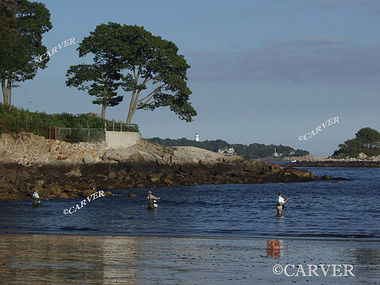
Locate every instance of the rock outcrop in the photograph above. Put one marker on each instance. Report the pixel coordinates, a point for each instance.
(67, 181)
(62, 170)
(26, 149)
(144, 152)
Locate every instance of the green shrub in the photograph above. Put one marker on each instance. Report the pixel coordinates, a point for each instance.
(18, 120)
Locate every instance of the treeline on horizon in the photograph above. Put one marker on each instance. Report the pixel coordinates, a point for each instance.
(366, 141)
(251, 151)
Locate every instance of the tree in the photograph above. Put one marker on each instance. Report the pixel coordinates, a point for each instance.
(102, 78)
(22, 24)
(368, 135)
(155, 63)
(363, 142)
(143, 61)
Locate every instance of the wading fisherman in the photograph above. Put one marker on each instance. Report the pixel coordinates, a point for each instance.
(36, 198)
(152, 201)
(280, 204)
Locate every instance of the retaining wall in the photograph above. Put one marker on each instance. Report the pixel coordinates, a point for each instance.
(121, 139)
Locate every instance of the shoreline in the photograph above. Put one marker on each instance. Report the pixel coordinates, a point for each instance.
(335, 163)
(18, 182)
(62, 170)
(207, 237)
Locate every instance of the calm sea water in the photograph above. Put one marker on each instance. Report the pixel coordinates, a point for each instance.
(323, 209)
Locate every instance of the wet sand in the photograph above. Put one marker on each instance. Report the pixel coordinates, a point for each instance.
(67, 259)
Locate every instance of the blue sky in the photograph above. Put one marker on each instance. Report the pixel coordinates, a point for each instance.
(264, 71)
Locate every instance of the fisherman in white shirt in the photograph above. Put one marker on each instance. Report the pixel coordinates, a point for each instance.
(280, 204)
(36, 198)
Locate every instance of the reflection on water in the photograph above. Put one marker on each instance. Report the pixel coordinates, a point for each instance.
(368, 260)
(61, 259)
(274, 248)
(41, 259)
(120, 259)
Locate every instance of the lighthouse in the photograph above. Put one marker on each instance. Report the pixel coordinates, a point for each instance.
(197, 137)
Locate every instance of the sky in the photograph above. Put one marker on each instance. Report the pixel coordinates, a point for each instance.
(262, 71)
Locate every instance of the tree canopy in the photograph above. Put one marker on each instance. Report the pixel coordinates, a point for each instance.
(22, 25)
(138, 62)
(368, 135)
(367, 140)
(102, 78)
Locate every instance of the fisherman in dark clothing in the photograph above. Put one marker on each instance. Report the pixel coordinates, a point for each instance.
(152, 201)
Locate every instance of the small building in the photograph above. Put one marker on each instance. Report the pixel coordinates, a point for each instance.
(227, 150)
(374, 145)
(197, 137)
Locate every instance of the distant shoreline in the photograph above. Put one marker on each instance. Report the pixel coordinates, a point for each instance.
(311, 161)
(335, 163)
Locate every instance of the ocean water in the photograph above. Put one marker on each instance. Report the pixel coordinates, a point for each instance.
(321, 209)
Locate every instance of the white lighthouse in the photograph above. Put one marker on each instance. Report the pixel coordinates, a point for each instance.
(197, 137)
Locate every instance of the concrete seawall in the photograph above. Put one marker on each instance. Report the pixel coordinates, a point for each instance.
(121, 139)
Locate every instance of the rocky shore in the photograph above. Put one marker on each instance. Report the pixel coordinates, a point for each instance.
(70, 170)
(74, 180)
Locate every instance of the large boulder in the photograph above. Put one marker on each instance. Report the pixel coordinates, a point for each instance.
(376, 158)
(362, 155)
(299, 175)
(89, 159)
(129, 154)
(74, 172)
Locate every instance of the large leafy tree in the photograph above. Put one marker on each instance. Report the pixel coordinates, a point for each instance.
(150, 69)
(158, 70)
(102, 78)
(22, 24)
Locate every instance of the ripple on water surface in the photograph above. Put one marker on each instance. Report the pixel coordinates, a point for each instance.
(321, 209)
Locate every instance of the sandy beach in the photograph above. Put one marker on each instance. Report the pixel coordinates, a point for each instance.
(67, 259)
